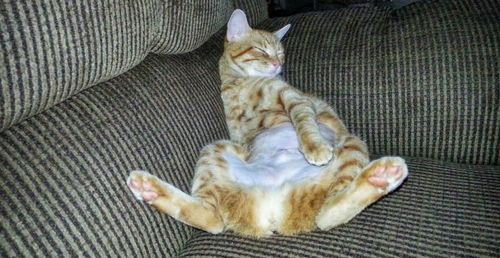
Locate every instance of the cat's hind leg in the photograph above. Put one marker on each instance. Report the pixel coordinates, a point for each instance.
(377, 179)
(172, 201)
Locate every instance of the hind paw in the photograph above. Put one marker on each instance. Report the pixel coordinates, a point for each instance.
(144, 186)
(387, 174)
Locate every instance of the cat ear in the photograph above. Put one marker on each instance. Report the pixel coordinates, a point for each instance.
(237, 26)
(281, 32)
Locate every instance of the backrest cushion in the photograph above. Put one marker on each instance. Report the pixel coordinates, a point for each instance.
(51, 50)
(423, 80)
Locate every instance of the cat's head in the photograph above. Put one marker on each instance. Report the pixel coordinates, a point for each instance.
(252, 53)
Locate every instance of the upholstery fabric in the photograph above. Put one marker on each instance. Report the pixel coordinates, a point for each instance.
(442, 210)
(51, 50)
(419, 81)
(255, 10)
(190, 18)
(63, 190)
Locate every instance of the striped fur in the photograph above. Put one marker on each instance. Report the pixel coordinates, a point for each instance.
(259, 108)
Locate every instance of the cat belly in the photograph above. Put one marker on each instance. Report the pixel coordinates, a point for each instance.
(274, 167)
(275, 159)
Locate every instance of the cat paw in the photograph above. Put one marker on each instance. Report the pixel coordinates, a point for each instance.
(386, 174)
(318, 154)
(144, 186)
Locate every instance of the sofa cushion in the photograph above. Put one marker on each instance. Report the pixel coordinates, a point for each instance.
(255, 10)
(419, 81)
(442, 210)
(186, 24)
(51, 50)
(63, 172)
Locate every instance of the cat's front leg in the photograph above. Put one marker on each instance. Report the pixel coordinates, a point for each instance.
(315, 148)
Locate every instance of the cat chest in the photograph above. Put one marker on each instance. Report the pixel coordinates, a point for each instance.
(245, 123)
(249, 111)
(242, 122)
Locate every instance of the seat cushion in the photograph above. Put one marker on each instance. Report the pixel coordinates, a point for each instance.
(443, 209)
(63, 172)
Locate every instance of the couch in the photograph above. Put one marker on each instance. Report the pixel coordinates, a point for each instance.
(92, 89)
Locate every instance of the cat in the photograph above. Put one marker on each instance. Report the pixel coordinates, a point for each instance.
(290, 166)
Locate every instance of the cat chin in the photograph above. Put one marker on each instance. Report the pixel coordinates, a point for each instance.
(265, 74)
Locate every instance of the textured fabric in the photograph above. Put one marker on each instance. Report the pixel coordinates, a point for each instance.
(256, 10)
(51, 50)
(442, 210)
(354, 2)
(419, 81)
(190, 17)
(63, 172)
(187, 24)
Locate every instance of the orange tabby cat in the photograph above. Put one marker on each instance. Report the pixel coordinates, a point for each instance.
(290, 167)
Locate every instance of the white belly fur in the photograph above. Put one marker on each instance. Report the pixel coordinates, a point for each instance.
(275, 159)
(275, 165)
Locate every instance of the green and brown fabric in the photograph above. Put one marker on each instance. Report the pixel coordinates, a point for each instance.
(63, 190)
(50, 50)
(421, 81)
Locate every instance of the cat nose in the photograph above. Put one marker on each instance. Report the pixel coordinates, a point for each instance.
(275, 64)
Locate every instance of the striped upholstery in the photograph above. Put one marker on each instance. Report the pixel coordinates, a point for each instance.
(443, 210)
(190, 18)
(256, 10)
(63, 172)
(420, 81)
(63, 192)
(51, 50)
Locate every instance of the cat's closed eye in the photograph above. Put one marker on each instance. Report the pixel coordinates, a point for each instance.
(262, 51)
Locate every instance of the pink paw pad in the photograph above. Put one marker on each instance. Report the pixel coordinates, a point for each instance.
(148, 194)
(142, 189)
(387, 178)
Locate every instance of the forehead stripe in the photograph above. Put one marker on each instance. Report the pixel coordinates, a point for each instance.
(242, 52)
(250, 59)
